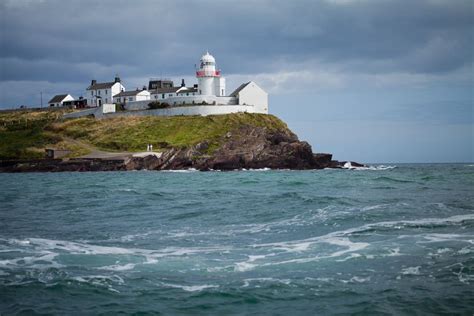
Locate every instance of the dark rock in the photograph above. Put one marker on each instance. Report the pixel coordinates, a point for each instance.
(323, 160)
(249, 147)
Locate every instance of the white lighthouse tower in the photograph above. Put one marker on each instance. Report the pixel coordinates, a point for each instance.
(210, 81)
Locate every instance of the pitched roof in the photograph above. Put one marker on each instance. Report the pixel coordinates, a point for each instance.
(58, 98)
(128, 93)
(165, 90)
(236, 91)
(101, 85)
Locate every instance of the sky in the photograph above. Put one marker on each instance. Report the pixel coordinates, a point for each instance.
(368, 80)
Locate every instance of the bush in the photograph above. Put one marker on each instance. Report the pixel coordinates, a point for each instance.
(119, 107)
(157, 105)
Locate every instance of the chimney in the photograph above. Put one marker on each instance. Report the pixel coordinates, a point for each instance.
(93, 82)
(117, 79)
(182, 83)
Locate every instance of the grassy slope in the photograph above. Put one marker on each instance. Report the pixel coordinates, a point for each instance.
(26, 134)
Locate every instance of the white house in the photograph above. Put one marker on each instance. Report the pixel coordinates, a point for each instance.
(59, 99)
(132, 96)
(102, 93)
(251, 94)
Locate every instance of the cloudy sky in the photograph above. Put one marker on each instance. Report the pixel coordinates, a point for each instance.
(368, 80)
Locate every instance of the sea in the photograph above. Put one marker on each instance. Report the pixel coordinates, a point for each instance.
(393, 239)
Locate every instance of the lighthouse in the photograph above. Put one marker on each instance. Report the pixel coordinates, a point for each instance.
(209, 78)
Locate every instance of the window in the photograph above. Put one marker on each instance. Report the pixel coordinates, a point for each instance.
(130, 98)
(105, 91)
(156, 97)
(106, 100)
(163, 96)
(222, 91)
(98, 92)
(92, 93)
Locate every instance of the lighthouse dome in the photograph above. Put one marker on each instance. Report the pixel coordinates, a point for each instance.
(208, 58)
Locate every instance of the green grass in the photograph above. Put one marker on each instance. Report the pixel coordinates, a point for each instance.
(25, 135)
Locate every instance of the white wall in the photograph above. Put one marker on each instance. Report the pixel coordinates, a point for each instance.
(105, 94)
(219, 86)
(252, 94)
(142, 96)
(203, 110)
(184, 100)
(108, 108)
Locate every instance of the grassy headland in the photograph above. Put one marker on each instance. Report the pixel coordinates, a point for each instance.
(25, 134)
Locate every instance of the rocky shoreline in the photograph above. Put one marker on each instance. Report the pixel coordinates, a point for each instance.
(249, 147)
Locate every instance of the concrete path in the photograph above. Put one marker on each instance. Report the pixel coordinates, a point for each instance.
(100, 154)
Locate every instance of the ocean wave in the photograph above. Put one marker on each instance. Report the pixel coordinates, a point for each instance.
(411, 270)
(349, 166)
(181, 170)
(190, 288)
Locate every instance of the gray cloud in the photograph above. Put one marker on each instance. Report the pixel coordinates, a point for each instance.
(74, 41)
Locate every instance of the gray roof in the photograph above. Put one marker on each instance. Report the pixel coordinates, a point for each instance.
(58, 98)
(165, 90)
(101, 85)
(236, 91)
(128, 93)
(191, 89)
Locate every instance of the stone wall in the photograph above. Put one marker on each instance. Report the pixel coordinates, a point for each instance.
(203, 110)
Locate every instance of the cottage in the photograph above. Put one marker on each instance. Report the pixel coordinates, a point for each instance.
(131, 96)
(251, 94)
(59, 99)
(102, 93)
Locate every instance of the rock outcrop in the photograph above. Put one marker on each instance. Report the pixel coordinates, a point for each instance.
(249, 147)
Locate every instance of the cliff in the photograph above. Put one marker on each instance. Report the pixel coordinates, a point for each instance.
(224, 142)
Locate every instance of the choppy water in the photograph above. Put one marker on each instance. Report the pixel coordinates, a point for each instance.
(384, 241)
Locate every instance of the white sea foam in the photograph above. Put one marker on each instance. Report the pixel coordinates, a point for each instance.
(45, 251)
(411, 270)
(465, 251)
(348, 165)
(357, 279)
(117, 267)
(264, 280)
(433, 238)
(190, 288)
(181, 171)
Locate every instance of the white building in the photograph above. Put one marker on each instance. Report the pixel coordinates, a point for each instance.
(209, 78)
(102, 93)
(251, 94)
(132, 96)
(59, 99)
(207, 97)
(210, 90)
